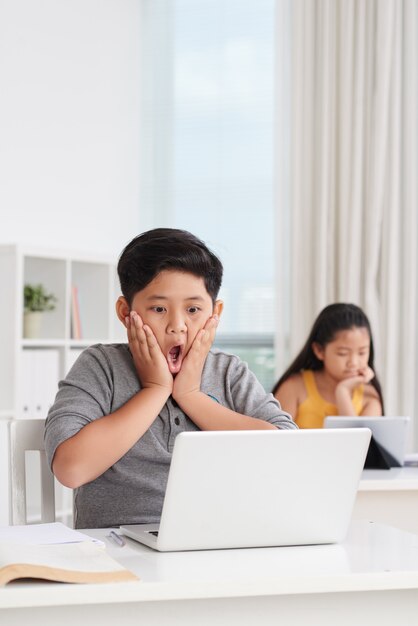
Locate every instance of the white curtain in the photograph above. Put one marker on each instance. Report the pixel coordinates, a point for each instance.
(354, 177)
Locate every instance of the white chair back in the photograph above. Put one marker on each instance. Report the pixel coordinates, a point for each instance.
(26, 435)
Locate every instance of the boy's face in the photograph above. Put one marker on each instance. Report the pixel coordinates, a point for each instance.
(176, 306)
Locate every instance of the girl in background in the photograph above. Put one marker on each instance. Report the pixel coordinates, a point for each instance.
(334, 372)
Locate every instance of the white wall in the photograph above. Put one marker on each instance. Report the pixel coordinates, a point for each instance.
(69, 123)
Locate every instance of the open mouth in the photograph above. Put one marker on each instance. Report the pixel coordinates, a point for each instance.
(175, 358)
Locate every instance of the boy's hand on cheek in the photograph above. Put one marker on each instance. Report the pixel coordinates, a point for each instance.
(150, 363)
(188, 379)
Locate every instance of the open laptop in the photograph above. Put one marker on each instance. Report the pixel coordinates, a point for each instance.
(389, 438)
(240, 489)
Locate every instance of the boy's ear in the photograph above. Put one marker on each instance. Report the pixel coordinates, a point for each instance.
(318, 351)
(218, 307)
(122, 309)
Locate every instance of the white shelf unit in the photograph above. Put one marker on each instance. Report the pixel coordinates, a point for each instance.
(97, 287)
(30, 369)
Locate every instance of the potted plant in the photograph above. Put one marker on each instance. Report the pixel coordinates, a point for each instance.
(36, 301)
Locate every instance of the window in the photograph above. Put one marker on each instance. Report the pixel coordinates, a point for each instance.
(208, 162)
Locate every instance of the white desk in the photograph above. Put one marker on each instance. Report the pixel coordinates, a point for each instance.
(372, 578)
(389, 497)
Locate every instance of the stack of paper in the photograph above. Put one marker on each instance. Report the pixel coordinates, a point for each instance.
(43, 534)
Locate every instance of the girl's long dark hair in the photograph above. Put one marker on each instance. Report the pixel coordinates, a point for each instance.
(331, 320)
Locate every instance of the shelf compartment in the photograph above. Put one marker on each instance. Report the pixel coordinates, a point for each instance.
(51, 273)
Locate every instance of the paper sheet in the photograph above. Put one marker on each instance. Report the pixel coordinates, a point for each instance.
(43, 534)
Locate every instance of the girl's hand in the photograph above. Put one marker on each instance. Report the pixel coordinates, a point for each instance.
(188, 379)
(150, 363)
(363, 377)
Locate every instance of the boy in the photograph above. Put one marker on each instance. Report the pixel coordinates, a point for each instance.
(111, 431)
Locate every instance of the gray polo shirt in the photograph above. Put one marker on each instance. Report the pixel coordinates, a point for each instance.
(103, 379)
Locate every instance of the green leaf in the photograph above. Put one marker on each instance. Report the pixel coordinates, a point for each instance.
(36, 298)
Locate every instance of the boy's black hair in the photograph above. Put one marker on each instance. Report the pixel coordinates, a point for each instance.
(161, 249)
(332, 319)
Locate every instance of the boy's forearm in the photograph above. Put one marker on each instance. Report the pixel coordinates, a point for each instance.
(210, 415)
(100, 444)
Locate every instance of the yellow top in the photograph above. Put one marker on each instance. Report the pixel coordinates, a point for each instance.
(314, 409)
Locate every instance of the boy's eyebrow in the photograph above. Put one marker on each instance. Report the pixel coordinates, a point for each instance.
(158, 297)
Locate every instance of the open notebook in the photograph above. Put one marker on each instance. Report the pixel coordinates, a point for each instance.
(56, 552)
(235, 489)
